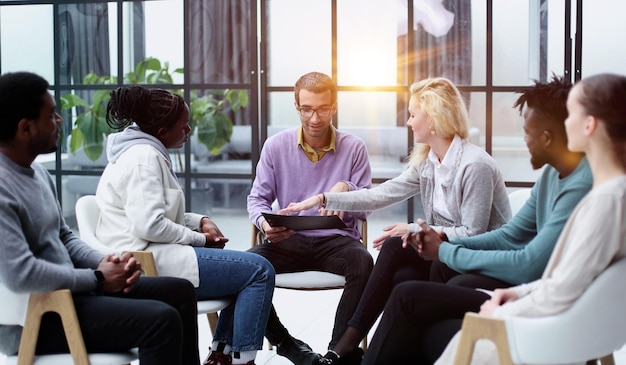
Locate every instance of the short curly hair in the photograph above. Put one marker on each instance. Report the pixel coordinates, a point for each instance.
(548, 99)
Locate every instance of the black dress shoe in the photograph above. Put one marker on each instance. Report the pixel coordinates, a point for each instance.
(331, 358)
(298, 352)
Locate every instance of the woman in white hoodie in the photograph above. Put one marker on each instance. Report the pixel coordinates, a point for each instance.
(142, 208)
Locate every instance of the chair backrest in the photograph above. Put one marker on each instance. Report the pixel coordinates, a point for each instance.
(87, 216)
(13, 306)
(593, 327)
(518, 198)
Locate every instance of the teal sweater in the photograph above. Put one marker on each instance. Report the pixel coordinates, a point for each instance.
(518, 252)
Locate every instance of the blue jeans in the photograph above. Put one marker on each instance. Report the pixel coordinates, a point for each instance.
(249, 280)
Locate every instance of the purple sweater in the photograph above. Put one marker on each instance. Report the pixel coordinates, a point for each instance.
(285, 174)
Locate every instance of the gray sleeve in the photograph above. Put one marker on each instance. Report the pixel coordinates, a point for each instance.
(388, 193)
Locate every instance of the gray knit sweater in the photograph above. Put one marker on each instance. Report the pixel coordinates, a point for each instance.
(475, 193)
(38, 251)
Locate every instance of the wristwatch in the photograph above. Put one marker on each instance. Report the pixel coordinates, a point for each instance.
(99, 281)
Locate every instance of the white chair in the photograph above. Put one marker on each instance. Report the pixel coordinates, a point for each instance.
(87, 215)
(592, 328)
(518, 198)
(27, 309)
(311, 280)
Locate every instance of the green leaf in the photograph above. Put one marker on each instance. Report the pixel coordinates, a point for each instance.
(100, 99)
(153, 64)
(77, 140)
(69, 101)
(90, 79)
(93, 151)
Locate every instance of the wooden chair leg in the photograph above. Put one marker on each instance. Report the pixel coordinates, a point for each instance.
(607, 360)
(212, 317)
(61, 302)
(475, 328)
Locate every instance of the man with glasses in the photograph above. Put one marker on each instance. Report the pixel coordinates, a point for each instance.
(295, 164)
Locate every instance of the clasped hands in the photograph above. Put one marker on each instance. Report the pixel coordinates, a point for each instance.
(425, 241)
(120, 272)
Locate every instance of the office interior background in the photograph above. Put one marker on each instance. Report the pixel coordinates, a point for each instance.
(235, 62)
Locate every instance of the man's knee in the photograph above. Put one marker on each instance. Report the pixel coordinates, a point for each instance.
(359, 266)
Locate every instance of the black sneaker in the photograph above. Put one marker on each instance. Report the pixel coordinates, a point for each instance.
(353, 357)
(298, 352)
(330, 358)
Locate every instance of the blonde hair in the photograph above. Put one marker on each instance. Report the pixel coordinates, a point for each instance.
(443, 104)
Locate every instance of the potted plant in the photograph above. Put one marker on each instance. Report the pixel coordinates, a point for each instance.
(209, 111)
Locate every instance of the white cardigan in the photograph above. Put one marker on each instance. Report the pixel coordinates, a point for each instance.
(143, 208)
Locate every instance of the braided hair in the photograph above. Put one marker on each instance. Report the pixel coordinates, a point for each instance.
(150, 109)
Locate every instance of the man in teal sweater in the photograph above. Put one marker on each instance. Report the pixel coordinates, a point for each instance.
(518, 251)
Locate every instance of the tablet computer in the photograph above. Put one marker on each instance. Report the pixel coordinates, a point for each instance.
(305, 222)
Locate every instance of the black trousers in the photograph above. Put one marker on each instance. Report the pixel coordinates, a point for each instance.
(336, 254)
(159, 316)
(394, 265)
(440, 272)
(419, 320)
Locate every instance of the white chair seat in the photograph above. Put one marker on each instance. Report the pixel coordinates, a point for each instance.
(212, 306)
(309, 279)
(94, 359)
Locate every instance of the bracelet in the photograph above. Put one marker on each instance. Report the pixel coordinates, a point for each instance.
(414, 228)
(321, 204)
(323, 200)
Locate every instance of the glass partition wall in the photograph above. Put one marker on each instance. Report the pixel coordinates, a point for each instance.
(235, 62)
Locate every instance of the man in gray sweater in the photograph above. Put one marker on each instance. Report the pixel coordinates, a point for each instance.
(117, 309)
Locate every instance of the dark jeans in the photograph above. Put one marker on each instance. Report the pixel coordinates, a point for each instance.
(159, 316)
(419, 320)
(336, 254)
(440, 272)
(394, 265)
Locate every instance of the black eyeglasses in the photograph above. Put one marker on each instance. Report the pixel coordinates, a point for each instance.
(321, 112)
